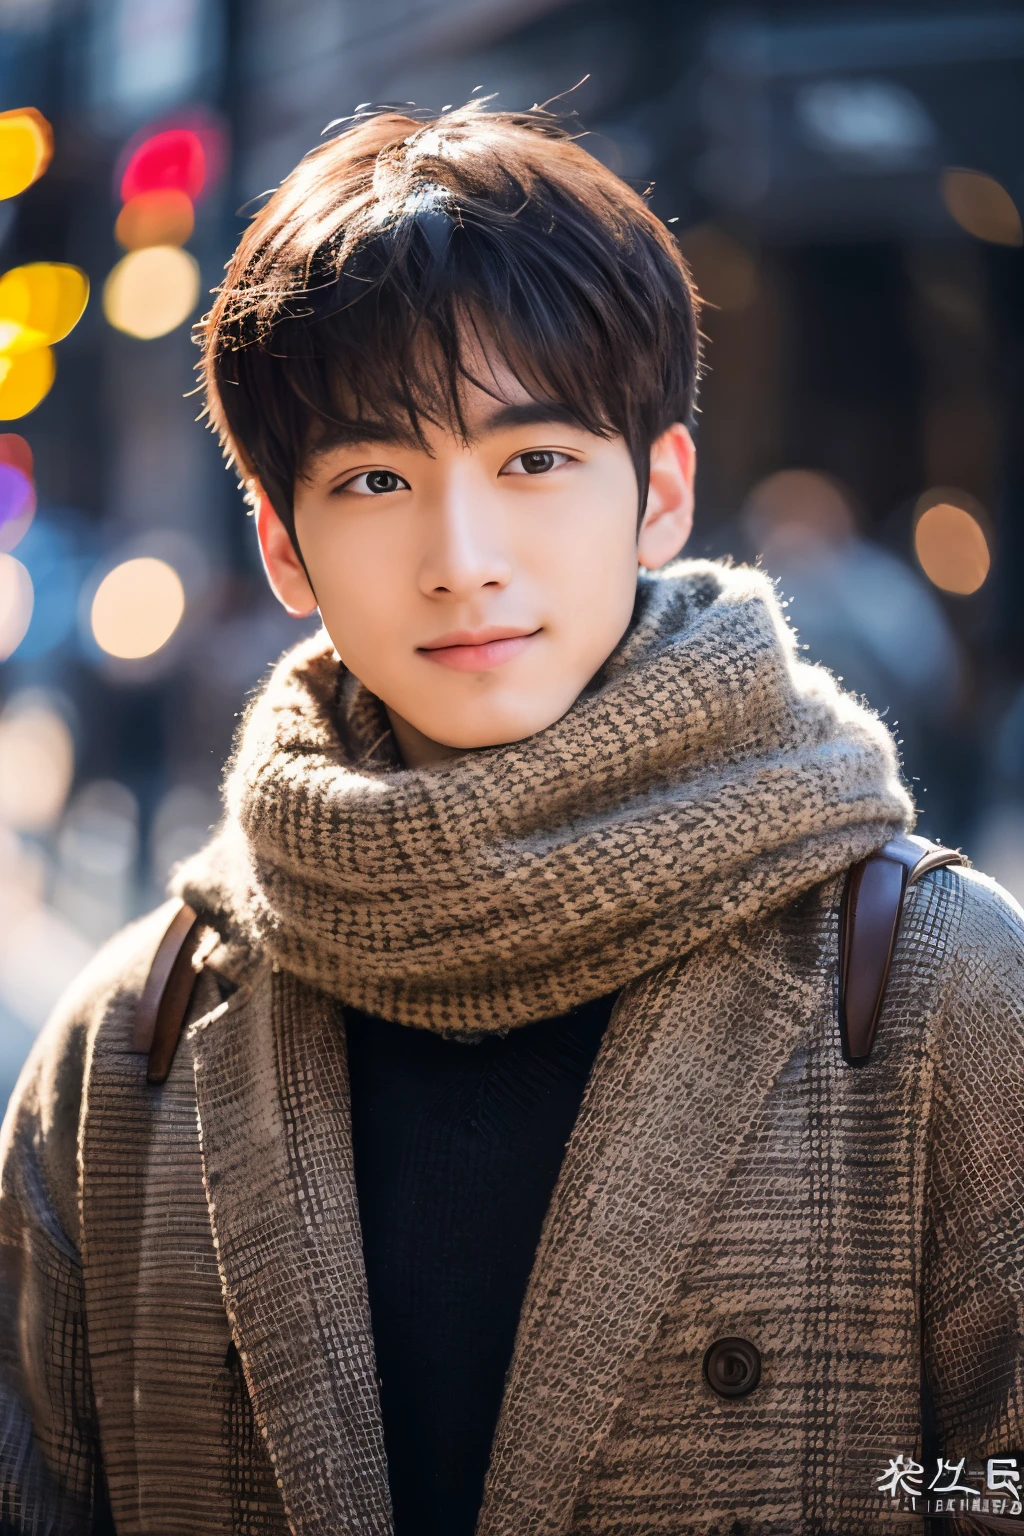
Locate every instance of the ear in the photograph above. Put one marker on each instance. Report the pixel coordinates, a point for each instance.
(288, 581)
(669, 515)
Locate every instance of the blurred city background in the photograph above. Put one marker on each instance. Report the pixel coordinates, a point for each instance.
(845, 181)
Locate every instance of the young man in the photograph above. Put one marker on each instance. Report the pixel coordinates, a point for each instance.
(508, 1173)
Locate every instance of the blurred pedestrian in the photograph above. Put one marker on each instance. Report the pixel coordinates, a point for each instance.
(871, 619)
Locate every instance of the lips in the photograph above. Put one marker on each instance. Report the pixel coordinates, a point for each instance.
(478, 650)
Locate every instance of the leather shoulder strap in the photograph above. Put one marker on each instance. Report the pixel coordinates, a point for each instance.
(869, 921)
(165, 997)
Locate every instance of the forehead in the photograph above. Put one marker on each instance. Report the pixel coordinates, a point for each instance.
(493, 401)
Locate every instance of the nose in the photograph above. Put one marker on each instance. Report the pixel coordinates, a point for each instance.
(465, 551)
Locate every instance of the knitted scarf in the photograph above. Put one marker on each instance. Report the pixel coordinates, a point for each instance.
(705, 777)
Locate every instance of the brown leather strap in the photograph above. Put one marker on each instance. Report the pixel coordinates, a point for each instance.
(869, 922)
(165, 997)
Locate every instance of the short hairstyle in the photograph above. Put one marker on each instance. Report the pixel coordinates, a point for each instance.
(346, 309)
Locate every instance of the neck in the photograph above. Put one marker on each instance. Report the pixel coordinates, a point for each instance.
(419, 751)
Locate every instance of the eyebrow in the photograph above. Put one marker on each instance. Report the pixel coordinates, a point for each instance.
(353, 434)
(527, 413)
(530, 413)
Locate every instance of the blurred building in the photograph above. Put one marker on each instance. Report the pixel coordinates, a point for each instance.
(845, 180)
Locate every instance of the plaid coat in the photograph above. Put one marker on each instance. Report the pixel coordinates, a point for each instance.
(184, 1304)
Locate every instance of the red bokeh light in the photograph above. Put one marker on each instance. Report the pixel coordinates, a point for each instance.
(14, 450)
(173, 159)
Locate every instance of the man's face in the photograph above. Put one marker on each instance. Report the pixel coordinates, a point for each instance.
(476, 588)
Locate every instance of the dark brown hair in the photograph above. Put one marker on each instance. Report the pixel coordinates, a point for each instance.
(347, 306)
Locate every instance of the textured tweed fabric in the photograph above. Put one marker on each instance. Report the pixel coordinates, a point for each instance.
(186, 1298)
(707, 776)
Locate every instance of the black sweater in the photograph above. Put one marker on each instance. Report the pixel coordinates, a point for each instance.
(457, 1150)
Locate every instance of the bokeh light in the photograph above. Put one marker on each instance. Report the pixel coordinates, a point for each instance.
(162, 217)
(798, 510)
(875, 121)
(16, 597)
(16, 339)
(14, 449)
(37, 762)
(151, 291)
(173, 159)
(981, 206)
(25, 381)
(39, 304)
(26, 148)
(58, 557)
(46, 297)
(17, 490)
(137, 607)
(17, 505)
(950, 545)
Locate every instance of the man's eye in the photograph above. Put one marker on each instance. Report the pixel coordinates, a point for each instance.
(537, 462)
(375, 482)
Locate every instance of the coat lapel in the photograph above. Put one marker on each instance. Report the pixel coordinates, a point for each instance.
(273, 1099)
(675, 1089)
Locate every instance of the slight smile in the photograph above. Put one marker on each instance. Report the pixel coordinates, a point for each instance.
(477, 650)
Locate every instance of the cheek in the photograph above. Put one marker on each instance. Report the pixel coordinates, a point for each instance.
(603, 609)
(352, 563)
(594, 572)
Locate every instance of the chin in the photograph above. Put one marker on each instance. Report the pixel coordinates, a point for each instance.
(494, 728)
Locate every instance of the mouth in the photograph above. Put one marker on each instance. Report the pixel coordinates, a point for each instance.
(477, 650)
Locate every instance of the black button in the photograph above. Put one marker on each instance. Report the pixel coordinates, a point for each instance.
(732, 1367)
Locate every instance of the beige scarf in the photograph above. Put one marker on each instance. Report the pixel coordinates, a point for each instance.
(706, 777)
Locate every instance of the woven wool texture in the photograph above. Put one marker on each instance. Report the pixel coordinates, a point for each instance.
(705, 777)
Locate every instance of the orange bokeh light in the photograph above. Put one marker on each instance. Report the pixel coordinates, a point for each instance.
(981, 206)
(951, 547)
(162, 217)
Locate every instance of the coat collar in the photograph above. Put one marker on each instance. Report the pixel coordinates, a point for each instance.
(673, 1094)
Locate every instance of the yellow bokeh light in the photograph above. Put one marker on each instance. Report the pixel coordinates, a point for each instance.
(26, 148)
(16, 600)
(981, 206)
(24, 381)
(47, 297)
(164, 216)
(37, 761)
(951, 546)
(151, 291)
(137, 607)
(16, 338)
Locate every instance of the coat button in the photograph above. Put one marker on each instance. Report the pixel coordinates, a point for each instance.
(732, 1367)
